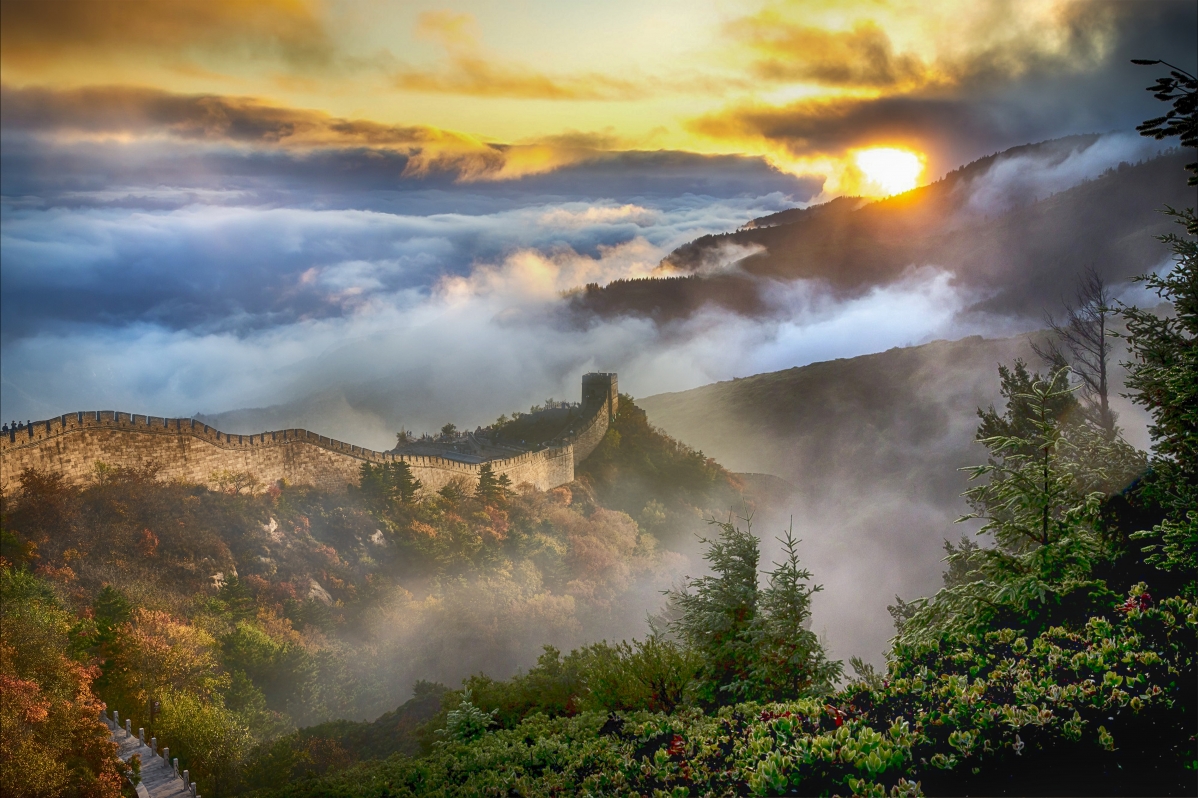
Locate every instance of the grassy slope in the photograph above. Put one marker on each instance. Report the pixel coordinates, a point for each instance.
(904, 417)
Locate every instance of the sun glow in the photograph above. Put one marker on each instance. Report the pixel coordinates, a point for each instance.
(890, 170)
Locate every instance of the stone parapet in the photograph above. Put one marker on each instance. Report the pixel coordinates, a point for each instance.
(188, 450)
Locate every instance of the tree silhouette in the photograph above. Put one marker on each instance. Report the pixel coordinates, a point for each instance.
(1082, 342)
(1180, 88)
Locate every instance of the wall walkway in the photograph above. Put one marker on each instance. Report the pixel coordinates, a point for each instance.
(160, 775)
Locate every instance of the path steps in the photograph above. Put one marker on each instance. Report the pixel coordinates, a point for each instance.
(160, 777)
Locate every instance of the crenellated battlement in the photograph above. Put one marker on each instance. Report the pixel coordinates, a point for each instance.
(187, 449)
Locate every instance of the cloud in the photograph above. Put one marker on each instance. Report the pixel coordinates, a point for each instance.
(38, 119)
(151, 143)
(967, 81)
(115, 112)
(471, 71)
(1024, 178)
(639, 216)
(829, 126)
(137, 111)
(854, 48)
(237, 267)
(36, 34)
(862, 56)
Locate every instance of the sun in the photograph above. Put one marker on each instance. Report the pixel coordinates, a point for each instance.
(890, 169)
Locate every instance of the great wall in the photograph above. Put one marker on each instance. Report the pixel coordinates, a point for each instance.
(188, 450)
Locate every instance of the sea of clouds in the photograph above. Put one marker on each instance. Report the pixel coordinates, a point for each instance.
(356, 309)
(396, 320)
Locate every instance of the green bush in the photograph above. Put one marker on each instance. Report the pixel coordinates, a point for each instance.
(1107, 709)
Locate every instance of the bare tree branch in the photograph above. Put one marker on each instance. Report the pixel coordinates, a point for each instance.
(1082, 341)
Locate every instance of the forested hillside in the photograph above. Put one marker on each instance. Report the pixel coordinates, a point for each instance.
(869, 448)
(252, 610)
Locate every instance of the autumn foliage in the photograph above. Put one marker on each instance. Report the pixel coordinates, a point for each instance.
(53, 742)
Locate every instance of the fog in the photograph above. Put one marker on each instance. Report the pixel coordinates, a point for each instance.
(871, 449)
(1021, 179)
(350, 336)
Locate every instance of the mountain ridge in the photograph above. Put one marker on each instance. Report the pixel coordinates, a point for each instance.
(1001, 241)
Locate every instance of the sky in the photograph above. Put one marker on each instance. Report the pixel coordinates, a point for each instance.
(211, 206)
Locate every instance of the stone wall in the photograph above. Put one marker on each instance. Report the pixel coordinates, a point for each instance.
(600, 397)
(188, 450)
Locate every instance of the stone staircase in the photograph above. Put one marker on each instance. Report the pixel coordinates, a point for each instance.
(160, 775)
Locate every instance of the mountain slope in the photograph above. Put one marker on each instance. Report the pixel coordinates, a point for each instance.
(989, 224)
(872, 447)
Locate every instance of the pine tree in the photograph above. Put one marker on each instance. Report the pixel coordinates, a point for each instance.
(403, 485)
(389, 482)
(1018, 419)
(372, 481)
(488, 490)
(1163, 377)
(110, 609)
(788, 659)
(1039, 504)
(237, 598)
(1029, 497)
(714, 614)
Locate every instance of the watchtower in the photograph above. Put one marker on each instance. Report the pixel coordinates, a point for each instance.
(598, 387)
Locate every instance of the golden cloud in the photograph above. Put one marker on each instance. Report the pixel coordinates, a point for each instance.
(874, 95)
(34, 34)
(961, 43)
(470, 71)
(478, 77)
(130, 112)
(862, 56)
(136, 111)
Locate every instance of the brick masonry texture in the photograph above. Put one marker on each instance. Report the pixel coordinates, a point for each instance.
(190, 451)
